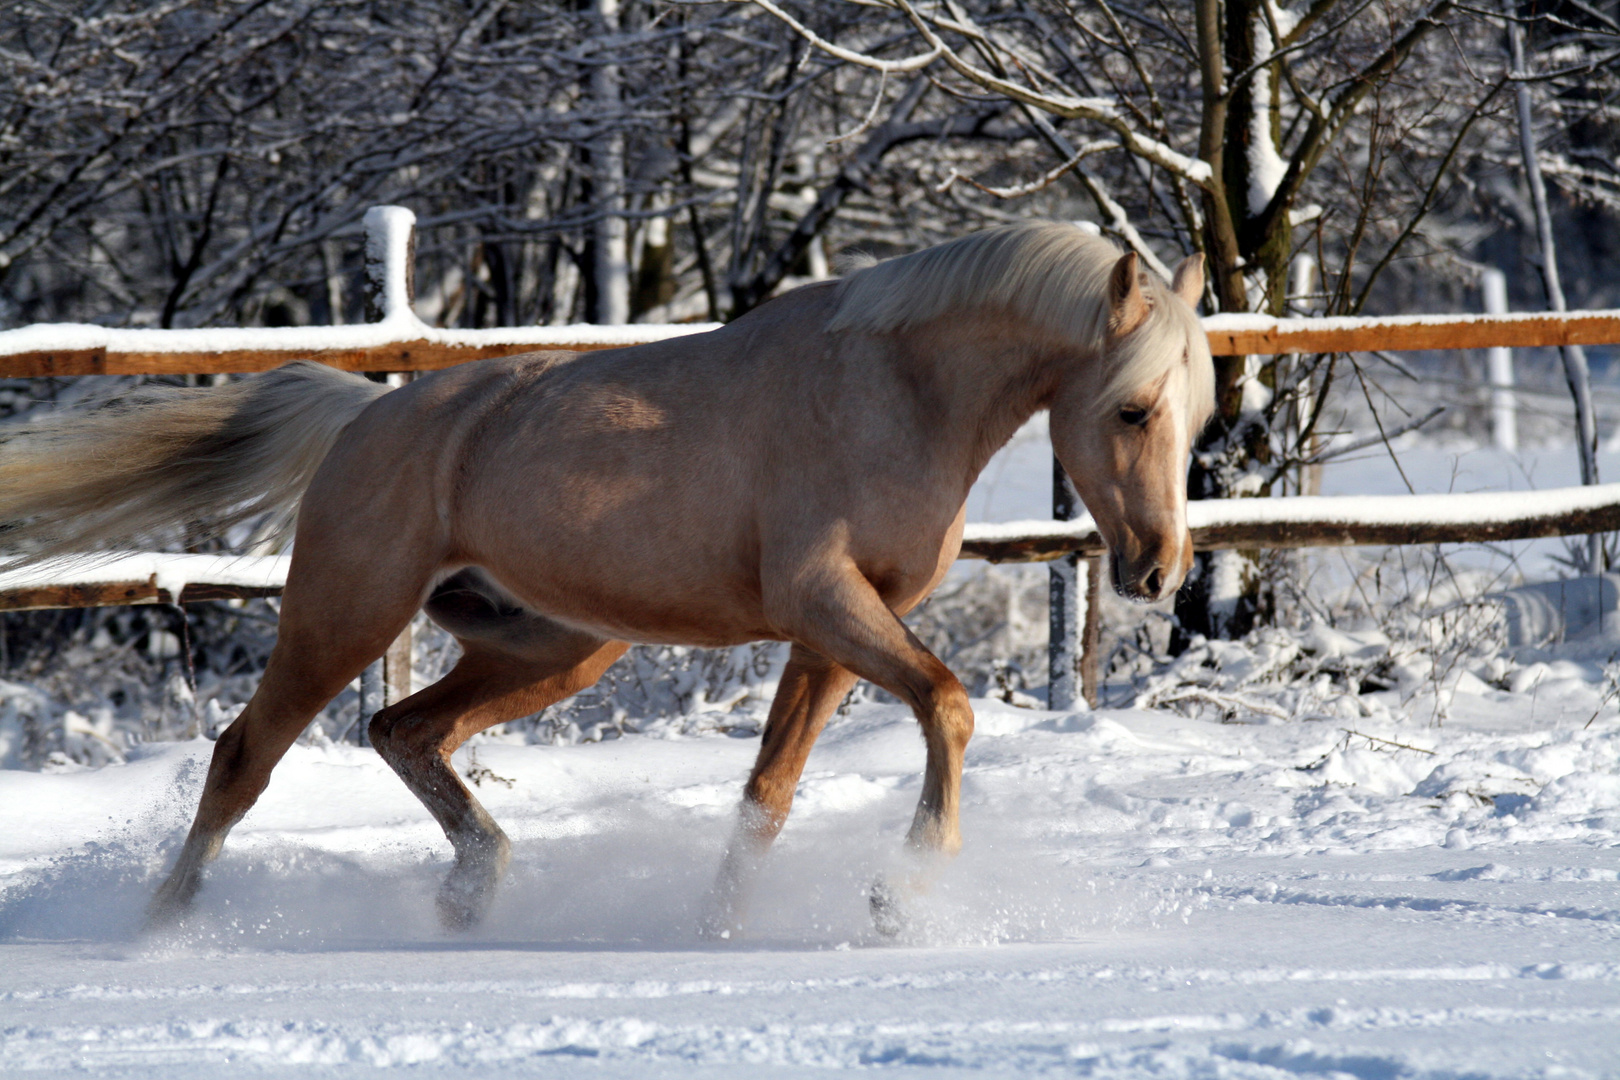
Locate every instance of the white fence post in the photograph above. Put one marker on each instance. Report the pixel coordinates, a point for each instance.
(390, 290)
(390, 263)
(1504, 402)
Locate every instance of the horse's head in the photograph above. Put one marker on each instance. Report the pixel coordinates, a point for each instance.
(1123, 422)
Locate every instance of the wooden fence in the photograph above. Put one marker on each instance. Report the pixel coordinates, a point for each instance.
(397, 342)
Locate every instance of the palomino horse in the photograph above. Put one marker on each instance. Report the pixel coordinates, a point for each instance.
(799, 476)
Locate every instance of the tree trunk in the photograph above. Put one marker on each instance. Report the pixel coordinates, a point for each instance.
(1247, 247)
(1575, 369)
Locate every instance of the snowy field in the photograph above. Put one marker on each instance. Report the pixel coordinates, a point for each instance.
(1348, 888)
(1140, 895)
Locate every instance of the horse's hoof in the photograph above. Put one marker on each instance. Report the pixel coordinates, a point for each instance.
(172, 901)
(463, 902)
(888, 913)
(458, 912)
(469, 888)
(722, 917)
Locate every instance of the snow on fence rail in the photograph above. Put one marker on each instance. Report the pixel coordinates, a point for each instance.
(1238, 335)
(395, 341)
(142, 578)
(402, 342)
(1311, 521)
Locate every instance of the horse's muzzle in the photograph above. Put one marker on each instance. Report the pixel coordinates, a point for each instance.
(1152, 575)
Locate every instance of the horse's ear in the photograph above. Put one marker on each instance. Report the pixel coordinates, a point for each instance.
(1127, 307)
(1188, 282)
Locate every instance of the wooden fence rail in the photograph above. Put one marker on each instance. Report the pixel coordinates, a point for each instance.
(402, 343)
(375, 347)
(1239, 335)
(1331, 521)
(142, 578)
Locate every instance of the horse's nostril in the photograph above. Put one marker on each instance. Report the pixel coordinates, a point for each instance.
(1153, 582)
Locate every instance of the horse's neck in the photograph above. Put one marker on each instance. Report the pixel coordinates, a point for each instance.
(990, 375)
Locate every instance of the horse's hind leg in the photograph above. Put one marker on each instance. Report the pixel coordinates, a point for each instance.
(524, 664)
(810, 689)
(332, 625)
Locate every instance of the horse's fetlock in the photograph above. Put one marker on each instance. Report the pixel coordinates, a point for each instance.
(766, 803)
(489, 846)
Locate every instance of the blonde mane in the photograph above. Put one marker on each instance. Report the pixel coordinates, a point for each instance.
(1051, 273)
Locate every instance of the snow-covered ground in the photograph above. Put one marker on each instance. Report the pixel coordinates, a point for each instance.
(1349, 884)
(1140, 895)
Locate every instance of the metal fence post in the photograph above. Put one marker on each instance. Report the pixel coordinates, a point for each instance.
(1066, 592)
(1504, 404)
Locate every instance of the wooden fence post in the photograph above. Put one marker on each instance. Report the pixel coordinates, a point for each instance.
(1091, 633)
(390, 263)
(390, 289)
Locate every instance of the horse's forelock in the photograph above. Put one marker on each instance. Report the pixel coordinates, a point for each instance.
(1171, 338)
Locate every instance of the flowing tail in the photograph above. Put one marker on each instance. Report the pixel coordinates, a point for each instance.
(165, 460)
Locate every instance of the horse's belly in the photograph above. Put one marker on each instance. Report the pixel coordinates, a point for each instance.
(640, 604)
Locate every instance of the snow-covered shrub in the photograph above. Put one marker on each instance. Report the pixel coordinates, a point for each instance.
(664, 690)
(1402, 633)
(988, 624)
(83, 688)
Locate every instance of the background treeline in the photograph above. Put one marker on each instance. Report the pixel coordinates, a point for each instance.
(203, 162)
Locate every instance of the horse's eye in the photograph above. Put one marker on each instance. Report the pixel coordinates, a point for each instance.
(1133, 415)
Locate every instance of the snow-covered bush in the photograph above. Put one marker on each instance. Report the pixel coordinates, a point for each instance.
(1399, 637)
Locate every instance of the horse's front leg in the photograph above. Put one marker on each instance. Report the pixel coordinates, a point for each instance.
(839, 615)
(810, 689)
